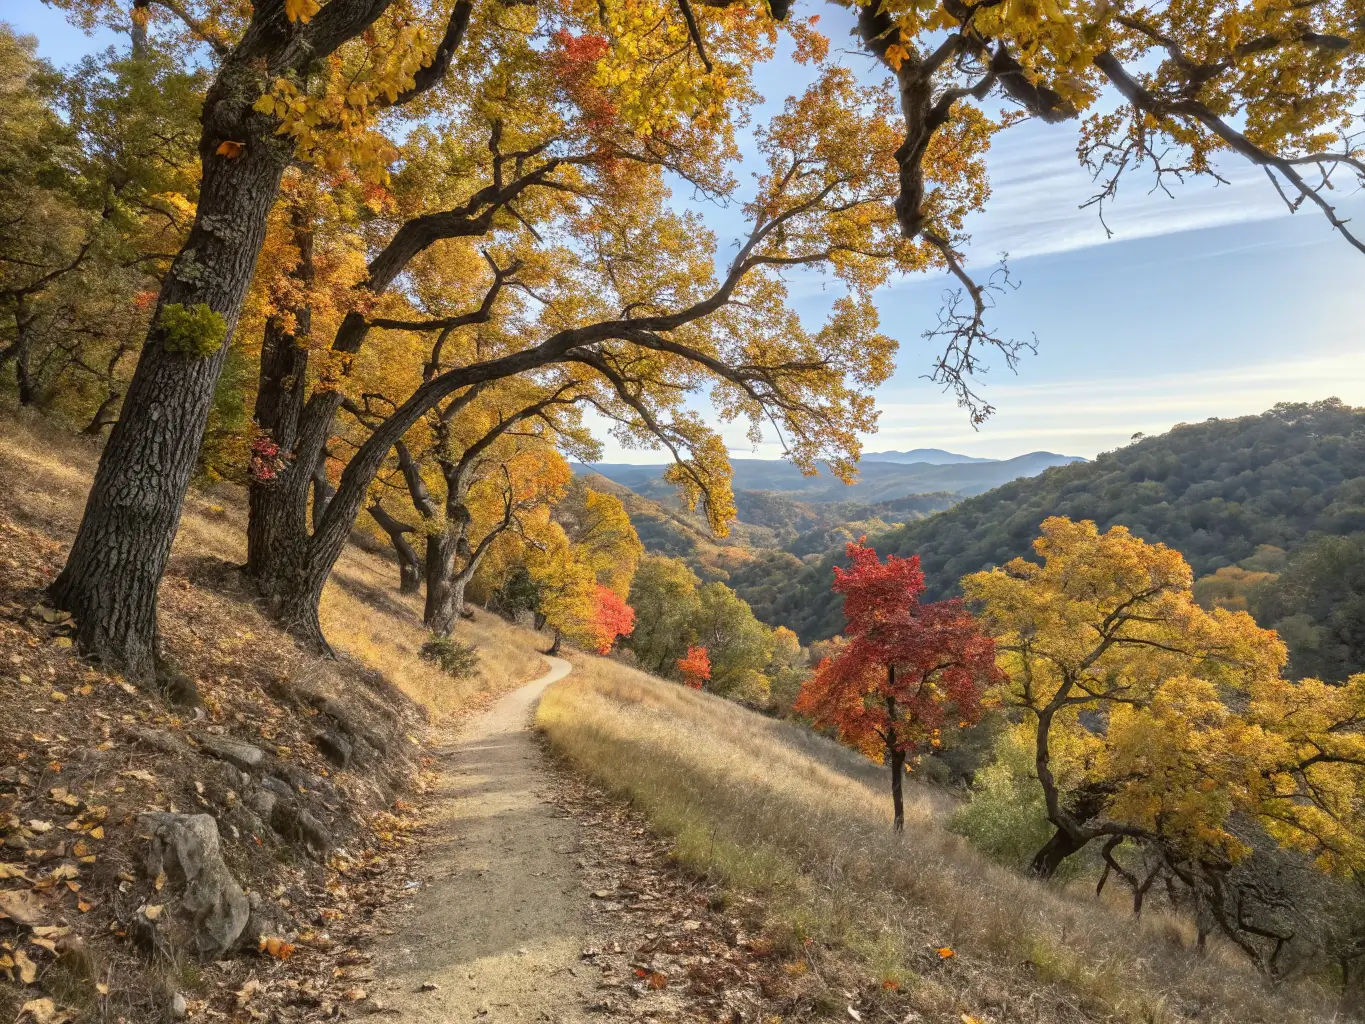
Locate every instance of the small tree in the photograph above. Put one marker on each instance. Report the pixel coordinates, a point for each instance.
(904, 667)
(695, 667)
(612, 618)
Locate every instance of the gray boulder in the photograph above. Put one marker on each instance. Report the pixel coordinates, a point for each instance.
(238, 753)
(212, 908)
(335, 747)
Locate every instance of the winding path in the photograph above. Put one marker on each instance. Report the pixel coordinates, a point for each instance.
(496, 931)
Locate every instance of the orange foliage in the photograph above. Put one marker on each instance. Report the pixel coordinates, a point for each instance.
(695, 667)
(612, 618)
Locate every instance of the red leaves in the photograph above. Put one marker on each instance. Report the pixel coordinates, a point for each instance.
(266, 461)
(577, 52)
(575, 59)
(612, 617)
(695, 667)
(905, 665)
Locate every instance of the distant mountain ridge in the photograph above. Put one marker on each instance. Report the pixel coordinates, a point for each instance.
(1215, 491)
(878, 481)
(931, 456)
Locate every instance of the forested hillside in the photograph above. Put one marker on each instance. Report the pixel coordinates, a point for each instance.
(880, 478)
(1215, 491)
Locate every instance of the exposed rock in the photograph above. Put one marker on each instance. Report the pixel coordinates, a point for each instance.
(335, 747)
(235, 752)
(155, 739)
(277, 786)
(262, 801)
(212, 909)
(291, 820)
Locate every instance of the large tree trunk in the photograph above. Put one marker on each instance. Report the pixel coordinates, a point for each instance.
(115, 566)
(409, 564)
(1057, 849)
(895, 754)
(280, 475)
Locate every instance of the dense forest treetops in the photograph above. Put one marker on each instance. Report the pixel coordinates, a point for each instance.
(1215, 491)
(768, 524)
(879, 479)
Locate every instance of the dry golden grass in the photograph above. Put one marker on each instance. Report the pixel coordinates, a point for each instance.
(363, 615)
(803, 824)
(255, 683)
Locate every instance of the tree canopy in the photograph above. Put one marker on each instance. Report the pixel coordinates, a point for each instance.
(1214, 491)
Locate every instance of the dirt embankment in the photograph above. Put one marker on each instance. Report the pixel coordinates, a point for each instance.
(217, 848)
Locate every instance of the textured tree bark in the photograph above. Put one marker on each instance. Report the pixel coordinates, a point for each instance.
(897, 796)
(409, 564)
(277, 521)
(115, 566)
(21, 349)
(1056, 850)
(322, 488)
(895, 755)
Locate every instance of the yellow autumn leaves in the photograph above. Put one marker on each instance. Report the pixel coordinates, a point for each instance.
(1177, 715)
(301, 10)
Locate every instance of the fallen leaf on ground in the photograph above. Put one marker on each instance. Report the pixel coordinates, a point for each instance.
(152, 911)
(276, 947)
(44, 1011)
(354, 995)
(945, 953)
(28, 970)
(20, 907)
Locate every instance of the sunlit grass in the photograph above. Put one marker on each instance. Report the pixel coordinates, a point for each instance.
(804, 825)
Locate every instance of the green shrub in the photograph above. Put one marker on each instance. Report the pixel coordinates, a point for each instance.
(1006, 817)
(192, 330)
(458, 659)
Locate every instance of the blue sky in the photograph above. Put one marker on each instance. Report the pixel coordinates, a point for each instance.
(1214, 302)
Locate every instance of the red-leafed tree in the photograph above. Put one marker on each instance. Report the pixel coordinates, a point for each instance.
(695, 667)
(904, 668)
(612, 618)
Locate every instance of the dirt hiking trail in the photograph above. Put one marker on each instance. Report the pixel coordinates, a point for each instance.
(501, 923)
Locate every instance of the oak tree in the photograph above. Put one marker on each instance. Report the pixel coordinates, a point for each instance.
(1157, 723)
(905, 666)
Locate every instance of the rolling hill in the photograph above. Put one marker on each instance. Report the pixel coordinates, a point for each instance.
(1215, 491)
(932, 456)
(878, 480)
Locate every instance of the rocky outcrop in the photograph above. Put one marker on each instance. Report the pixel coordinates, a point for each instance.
(238, 753)
(206, 909)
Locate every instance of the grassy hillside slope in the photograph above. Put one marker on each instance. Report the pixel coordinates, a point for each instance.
(802, 826)
(1215, 491)
(82, 746)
